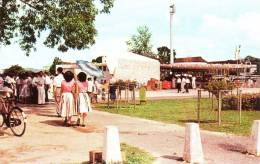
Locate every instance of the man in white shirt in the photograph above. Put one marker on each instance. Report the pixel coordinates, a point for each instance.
(178, 85)
(57, 87)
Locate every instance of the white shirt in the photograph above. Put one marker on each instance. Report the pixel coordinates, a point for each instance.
(47, 80)
(90, 86)
(57, 80)
(178, 80)
(40, 81)
(187, 80)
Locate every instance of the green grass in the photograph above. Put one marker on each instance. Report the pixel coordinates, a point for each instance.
(180, 111)
(133, 155)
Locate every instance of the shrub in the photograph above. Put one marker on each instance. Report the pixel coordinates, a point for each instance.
(214, 86)
(249, 102)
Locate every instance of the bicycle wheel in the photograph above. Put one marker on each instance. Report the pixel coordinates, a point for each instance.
(17, 121)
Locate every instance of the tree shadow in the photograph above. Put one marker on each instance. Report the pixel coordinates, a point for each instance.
(88, 129)
(234, 147)
(196, 121)
(173, 157)
(47, 115)
(53, 122)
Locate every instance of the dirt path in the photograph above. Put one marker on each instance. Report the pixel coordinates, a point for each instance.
(47, 141)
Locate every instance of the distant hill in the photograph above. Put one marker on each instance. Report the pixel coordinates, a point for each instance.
(255, 61)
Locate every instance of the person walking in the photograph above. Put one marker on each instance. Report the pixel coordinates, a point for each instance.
(57, 89)
(178, 84)
(187, 84)
(67, 99)
(83, 105)
(183, 82)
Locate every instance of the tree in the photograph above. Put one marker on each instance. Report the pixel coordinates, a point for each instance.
(164, 54)
(14, 70)
(55, 62)
(68, 23)
(255, 61)
(140, 43)
(97, 60)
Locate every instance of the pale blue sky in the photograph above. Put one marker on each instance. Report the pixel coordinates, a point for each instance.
(207, 28)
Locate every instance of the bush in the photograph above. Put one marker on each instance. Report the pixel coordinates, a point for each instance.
(249, 102)
(214, 86)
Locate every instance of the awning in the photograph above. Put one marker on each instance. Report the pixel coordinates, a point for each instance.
(90, 68)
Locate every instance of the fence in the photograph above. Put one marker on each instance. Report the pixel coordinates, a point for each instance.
(210, 108)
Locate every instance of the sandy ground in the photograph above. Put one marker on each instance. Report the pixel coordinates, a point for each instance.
(47, 141)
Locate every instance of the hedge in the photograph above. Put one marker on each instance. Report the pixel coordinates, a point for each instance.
(249, 102)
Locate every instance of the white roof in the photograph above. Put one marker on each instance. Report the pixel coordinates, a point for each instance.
(113, 59)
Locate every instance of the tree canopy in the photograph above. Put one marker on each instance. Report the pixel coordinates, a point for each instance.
(164, 54)
(14, 70)
(68, 23)
(140, 43)
(55, 62)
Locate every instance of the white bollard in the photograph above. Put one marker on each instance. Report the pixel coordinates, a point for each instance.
(255, 138)
(111, 150)
(192, 145)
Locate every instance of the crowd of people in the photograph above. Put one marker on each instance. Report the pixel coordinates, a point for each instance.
(73, 94)
(28, 87)
(184, 83)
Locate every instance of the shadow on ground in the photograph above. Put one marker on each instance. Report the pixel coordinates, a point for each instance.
(234, 147)
(196, 121)
(173, 157)
(53, 122)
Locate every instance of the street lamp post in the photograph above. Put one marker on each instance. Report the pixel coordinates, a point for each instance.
(172, 11)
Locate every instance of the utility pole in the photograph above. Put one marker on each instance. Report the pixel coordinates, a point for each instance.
(172, 11)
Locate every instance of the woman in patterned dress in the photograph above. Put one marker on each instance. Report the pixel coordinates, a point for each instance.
(24, 90)
(83, 100)
(67, 99)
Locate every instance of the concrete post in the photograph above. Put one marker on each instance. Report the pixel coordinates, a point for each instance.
(255, 138)
(111, 148)
(192, 145)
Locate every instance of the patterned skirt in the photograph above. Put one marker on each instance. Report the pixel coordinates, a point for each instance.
(83, 103)
(67, 105)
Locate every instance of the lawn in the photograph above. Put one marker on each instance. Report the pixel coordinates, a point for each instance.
(134, 155)
(180, 111)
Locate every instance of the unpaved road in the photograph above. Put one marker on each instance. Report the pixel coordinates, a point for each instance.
(47, 141)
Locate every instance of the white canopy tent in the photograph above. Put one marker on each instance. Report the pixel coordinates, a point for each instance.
(131, 66)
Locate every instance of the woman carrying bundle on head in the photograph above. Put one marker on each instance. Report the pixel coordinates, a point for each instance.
(67, 98)
(83, 105)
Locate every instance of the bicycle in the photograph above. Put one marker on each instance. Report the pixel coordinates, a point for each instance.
(12, 116)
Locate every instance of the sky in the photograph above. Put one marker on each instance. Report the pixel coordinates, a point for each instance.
(208, 28)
